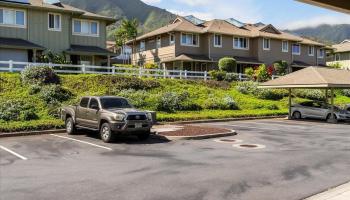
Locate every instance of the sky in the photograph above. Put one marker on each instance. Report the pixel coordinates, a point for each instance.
(284, 14)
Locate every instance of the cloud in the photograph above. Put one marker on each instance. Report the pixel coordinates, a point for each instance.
(316, 21)
(151, 1)
(247, 11)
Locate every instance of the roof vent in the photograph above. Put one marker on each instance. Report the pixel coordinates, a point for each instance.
(235, 22)
(194, 20)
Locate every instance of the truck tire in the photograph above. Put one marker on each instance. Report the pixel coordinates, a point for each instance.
(106, 133)
(144, 136)
(70, 126)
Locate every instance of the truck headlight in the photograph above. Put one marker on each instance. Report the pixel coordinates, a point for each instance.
(119, 117)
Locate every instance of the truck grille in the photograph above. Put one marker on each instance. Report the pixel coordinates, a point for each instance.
(136, 117)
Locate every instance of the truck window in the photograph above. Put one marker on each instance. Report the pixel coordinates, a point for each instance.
(93, 103)
(84, 102)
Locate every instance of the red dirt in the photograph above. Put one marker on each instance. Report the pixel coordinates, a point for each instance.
(195, 131)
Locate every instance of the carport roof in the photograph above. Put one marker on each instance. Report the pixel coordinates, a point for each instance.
(88, 50)
(312, 77)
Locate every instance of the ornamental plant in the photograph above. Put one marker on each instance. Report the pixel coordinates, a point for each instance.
(228, 64)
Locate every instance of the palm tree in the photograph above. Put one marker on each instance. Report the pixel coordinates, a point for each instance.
(127, 31)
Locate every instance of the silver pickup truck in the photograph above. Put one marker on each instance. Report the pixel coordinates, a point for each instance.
(109, 115)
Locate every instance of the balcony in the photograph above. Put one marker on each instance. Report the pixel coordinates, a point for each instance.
(154, 55)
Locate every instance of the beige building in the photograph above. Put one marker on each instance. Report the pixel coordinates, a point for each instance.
(189, 43)
(30, 27)
(340, 55)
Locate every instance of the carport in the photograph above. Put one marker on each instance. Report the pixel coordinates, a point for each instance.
(312, 78)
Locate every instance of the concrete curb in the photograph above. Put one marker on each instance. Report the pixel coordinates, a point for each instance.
(199, 137)
(29, 133)
(223, 120)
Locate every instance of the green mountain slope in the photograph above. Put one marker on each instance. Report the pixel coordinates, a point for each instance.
(150, 17)
(327, 33)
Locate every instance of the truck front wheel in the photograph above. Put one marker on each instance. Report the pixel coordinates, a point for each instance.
(70, 127)
(106, 133)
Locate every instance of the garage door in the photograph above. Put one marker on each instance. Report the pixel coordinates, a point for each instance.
(13, 54)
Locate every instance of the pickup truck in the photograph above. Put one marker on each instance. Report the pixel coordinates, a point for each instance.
(109, 115)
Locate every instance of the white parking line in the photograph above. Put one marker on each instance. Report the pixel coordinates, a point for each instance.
(81, 141)
(251, 127)
(13, 153)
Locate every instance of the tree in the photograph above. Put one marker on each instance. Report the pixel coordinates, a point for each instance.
(228, 64)
(126, 31)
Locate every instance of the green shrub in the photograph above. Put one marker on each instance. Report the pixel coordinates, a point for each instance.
(310, 94)
(346, 92)
(151, 66)
(249, 72)
(137, 97)
(230, 77)
(39, 75)
(34, 89)
(249, 87)
(172, 102)
(226, 103)
(281, 67)
(54, 94)
(228, 64)
(217, 75)
(17, 110)
(272, 107)
(262, 74)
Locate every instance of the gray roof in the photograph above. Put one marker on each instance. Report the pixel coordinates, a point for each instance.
(88, 50)
(312, 77)
(18, 43)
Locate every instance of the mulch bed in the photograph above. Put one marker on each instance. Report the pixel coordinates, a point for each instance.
(195, 131)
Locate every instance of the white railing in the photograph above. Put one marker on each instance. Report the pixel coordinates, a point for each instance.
(12, 66)
(345, 64)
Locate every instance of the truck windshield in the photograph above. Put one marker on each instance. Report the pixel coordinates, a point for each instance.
(110, 103)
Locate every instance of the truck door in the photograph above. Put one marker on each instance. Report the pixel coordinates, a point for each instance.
(81, 112)
(92, 113)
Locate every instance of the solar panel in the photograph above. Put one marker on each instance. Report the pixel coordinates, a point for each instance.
(17, 1)
(194, 20)
(235, 22)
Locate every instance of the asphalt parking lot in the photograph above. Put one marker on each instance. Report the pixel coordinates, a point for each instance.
(298, 159)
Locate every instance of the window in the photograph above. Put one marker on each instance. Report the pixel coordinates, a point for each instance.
(172, 39)
(85, 27)
(266, 44)
(159, 42)
(189, 39)
(217, 40)
(296, 49)
(93, 103)
(321, 53)
(311, 50)
(54, 22)
(337, 57)
(13, 18)
(285, 46)
(240, 43)
(142, 45)
(84, 102)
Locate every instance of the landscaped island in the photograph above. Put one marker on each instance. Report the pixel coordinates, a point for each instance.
(31, 101)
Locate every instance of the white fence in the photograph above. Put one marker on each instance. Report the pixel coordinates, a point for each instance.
(11, 66)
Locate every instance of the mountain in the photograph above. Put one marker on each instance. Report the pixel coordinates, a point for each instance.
(326, 33)
(150, 17)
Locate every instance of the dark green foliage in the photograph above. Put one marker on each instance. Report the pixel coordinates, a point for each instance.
(230, 77)
(228, 64)
(272, 107)
(39, 75)
(54, 94)
(217, 75)
(136, 97)
(281, 67)
(16, 110)
(346, 92)
(54, 58)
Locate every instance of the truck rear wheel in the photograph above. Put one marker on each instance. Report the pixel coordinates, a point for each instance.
(106, 133)
(70, 127)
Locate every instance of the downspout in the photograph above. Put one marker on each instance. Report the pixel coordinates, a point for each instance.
(209, 53)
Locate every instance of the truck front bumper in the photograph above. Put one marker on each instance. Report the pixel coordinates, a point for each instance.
(131, 126)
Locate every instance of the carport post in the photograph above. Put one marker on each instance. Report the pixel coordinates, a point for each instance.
(290, 103)
(333, 120)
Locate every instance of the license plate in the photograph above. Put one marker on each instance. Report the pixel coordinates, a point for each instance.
(138, 125)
